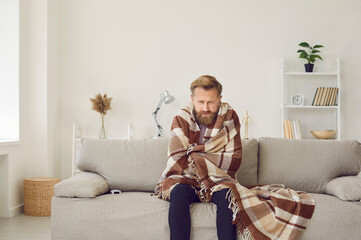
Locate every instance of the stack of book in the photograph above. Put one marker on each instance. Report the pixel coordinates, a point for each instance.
(325, 96)
(292, 129)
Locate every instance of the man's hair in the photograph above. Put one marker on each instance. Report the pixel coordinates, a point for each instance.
(206, 82)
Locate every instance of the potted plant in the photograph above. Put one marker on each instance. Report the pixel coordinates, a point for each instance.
(309, 54)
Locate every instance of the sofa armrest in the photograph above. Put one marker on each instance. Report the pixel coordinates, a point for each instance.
(82, 185)
(345, 188)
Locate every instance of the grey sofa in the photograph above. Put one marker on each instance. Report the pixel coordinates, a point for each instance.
(83, 208)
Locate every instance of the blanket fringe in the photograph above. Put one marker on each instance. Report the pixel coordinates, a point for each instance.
(161, 194)
(246, 235)
(232, 204)
(202, 193)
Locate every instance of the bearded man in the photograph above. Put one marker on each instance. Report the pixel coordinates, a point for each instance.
(204, 154)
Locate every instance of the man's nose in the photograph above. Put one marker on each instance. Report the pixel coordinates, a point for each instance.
(205, 107)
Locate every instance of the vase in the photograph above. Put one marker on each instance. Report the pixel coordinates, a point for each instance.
(102, 134)
(309, 67)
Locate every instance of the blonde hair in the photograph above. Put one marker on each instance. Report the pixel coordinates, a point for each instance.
(206, 82)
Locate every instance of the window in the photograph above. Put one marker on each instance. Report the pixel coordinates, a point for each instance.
(9, 70)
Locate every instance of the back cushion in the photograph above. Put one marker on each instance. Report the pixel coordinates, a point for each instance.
(136, 164)
(306, 165)
(127, 165)
(247, 173)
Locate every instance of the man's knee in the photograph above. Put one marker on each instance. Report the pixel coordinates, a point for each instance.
(220, 198)
(182, 193)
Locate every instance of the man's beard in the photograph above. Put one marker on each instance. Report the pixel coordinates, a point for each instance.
(205, 120)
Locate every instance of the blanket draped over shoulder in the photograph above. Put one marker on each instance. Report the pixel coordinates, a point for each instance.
(259, 212)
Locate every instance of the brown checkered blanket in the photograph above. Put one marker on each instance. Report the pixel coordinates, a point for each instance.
(260, 212)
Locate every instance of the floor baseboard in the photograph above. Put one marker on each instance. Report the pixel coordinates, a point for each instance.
(16, 210)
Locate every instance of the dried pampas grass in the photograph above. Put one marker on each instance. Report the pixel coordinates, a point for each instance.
(101, 104)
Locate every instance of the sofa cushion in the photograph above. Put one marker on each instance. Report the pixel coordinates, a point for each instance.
(333, 219)
(346, 188)
(82, 185)
(127, 165)
(247, 173)
(136, 164)
(306, 165)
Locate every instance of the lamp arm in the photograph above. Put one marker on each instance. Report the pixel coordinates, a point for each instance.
(155, 113)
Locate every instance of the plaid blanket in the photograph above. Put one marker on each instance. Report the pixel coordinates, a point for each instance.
(260, 212)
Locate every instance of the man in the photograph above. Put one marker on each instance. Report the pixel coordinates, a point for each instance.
(204, 155)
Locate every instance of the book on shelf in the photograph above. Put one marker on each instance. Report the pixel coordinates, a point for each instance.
(285, 129)
(334, 102)
(292, 129)
(315, 97)
(298, 129)
(331, 96)
(325, 96)
(318, 94)
(328, 101)
(319, 97)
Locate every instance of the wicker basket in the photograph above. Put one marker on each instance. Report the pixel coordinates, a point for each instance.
(37, 195)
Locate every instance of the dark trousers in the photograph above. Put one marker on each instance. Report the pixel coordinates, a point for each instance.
(181, 197)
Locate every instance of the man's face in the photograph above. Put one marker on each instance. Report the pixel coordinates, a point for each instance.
(206, 104)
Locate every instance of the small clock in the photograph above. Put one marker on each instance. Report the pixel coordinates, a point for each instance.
(297, 99)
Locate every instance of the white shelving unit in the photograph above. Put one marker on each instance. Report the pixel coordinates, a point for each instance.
(311, 117)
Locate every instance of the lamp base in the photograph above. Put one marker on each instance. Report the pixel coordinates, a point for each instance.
(156, 136)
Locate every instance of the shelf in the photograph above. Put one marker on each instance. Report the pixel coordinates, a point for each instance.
(309, 107)
(310, 73)
(305, 83)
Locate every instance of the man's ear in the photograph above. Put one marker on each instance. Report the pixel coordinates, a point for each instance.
(220, 98)
(192, 98)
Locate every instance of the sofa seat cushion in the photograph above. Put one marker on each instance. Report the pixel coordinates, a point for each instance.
(306, 165)
(137, 215)
(129, 215)
(334, 219)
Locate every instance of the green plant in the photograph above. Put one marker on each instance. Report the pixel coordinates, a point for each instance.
(310, 53)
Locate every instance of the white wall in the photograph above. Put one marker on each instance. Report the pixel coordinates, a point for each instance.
(53, 89)
(133, 50)
(38, 154)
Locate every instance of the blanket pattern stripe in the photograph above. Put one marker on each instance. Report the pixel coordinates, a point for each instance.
(259, 212)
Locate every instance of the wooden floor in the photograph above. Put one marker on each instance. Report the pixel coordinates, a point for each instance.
(22, 227)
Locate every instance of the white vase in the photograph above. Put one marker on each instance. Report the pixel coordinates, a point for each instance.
(102, 134)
